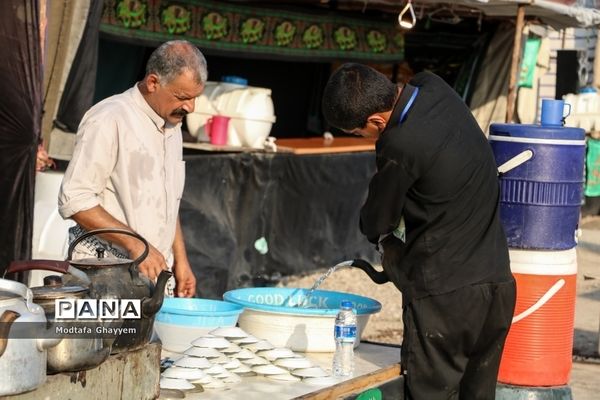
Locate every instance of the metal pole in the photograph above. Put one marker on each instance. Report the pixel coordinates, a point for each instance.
(516, 56)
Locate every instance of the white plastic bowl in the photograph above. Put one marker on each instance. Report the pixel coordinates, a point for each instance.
(180, 320)
(274, 314)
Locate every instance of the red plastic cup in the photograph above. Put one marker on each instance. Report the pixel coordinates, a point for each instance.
(216, 128)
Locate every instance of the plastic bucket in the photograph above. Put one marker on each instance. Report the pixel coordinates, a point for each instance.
(540, 198)
(538, 349)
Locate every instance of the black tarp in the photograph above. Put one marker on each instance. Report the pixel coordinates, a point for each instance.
(306, 207)
(20, 121)
(78, 95)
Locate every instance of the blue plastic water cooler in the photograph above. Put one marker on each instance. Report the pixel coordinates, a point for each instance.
(541, 184)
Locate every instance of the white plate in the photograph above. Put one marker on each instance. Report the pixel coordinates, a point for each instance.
(183, 373)
(321, 380)
(284, 377)
(242, 369)
(215, 370)
(214, 342)
(310, 372)
(172, 383)
(233, 348)
(274, 354)
(260, 345)
(294, 363)
(246, 340)
(256, 360)
(243, 354)
(222, 359)
(233, 364)
(207, 352)
(268, 369)
(232, 332)
(193, 362)
(232, 378)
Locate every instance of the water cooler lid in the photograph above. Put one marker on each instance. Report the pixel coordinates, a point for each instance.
(537, 131)
(235, 79)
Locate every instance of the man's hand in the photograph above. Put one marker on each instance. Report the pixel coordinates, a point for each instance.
(153, 264)
(185, 281)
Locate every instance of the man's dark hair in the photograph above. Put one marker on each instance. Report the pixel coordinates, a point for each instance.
(353, 93)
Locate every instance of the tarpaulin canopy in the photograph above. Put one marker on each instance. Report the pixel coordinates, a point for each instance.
(558, 14)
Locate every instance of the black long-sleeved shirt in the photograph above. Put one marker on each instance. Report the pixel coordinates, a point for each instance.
(436, 169)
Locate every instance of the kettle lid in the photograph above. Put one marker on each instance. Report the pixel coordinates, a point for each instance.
(55, 289)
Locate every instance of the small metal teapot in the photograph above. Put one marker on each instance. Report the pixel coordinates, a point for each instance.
(112, 278)
(71, 354)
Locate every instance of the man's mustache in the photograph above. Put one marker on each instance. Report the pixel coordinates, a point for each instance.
(180, 112)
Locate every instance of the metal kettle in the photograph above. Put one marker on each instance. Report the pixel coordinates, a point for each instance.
(112, 278)
(24, 339)
(72, 354)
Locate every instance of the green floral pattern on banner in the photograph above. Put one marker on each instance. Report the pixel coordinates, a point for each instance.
(132, 13)
(252, 30)
(214, 26)
(284, 33)
(244, 29)
(176, 19)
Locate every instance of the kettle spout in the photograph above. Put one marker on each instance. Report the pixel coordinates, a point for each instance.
(150, 306)
(6, 320)
(378, 277)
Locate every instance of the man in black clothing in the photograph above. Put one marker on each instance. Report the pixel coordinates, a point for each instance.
(433, 208)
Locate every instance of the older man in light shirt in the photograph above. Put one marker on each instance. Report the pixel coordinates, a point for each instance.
(127, 169)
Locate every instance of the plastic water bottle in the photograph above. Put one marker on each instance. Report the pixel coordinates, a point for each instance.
(345, 336)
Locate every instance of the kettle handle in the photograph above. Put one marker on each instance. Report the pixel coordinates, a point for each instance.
(62, 267)
(21, 290)
(137, 261)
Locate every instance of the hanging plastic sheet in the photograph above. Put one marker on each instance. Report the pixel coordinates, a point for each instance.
(250, 219)
(20, 120)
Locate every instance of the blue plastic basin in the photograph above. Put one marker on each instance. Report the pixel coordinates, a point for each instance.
(294, 301)
(198, 312)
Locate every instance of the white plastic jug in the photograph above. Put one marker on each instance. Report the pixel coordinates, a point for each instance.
(250, 109)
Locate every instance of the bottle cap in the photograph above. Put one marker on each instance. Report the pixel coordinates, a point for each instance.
(346, 304)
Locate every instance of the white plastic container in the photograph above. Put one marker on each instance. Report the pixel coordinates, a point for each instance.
(50, 239)
(250, 109)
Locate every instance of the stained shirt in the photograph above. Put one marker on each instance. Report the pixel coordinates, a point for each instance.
(436, 170)
(129, 161)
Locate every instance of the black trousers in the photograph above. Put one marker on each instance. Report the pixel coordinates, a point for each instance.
(453, 342)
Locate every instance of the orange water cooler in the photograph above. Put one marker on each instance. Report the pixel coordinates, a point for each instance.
(538, 350)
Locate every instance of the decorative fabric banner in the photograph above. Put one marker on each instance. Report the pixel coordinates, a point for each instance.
(244, 29)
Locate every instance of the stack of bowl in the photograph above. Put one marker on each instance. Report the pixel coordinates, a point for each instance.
(180, 320)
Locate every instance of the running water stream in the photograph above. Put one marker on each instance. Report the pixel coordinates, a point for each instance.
(318, 282)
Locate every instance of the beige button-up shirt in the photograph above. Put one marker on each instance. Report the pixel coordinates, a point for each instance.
(129, 162)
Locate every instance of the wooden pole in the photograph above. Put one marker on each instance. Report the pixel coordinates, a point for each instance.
(514, 68)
